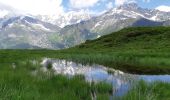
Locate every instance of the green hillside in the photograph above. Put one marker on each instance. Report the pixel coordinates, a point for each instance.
(136, 38)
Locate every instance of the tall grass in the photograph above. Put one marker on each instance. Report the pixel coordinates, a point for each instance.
(19, 84)
(146, 91)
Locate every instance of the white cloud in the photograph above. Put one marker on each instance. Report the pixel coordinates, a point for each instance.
(121, 2)
(109, 5)
(42, 7)
(83, 3)
(164, 8)
(3, 13)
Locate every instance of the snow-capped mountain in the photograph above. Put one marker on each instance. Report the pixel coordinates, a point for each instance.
(69, 18)
(20, 30)
(113, 20)
(128, 15)
(132, 10)
(28, 21)
(24, 31)
(56, 32)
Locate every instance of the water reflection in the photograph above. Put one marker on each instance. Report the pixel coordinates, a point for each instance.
(94, 73)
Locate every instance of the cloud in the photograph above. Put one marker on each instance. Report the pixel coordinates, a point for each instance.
(163, 8)
(8, 10)
(42, 7)
(3, 13)
(109, 5)
(121, 2)
(83, 3)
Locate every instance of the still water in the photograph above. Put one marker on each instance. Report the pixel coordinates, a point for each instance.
(120, 81)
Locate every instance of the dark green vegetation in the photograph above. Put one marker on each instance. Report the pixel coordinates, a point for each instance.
(135, 38)
(153, 91)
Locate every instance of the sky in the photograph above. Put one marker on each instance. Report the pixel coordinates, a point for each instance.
(56, 7)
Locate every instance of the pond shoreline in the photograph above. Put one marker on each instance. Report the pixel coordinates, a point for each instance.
(122, 82)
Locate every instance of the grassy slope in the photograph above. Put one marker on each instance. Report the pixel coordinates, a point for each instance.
(133, 38)
(136, 38)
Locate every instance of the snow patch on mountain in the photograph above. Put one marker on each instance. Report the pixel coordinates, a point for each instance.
(97, 24)
(40, 26)
(69, 18)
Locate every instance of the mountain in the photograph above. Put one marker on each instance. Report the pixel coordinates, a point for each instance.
(20, 30)
(72, 28)
(128, 15)
(69, 18)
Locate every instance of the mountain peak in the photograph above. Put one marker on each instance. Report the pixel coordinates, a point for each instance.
(129, 6)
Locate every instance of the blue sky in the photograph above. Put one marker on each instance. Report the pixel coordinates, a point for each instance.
(153, 3)
(101, 5)
(51, 7)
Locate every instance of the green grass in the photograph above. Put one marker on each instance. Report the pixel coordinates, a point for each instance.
(19, 84)
(146, 62)
(145, 91)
